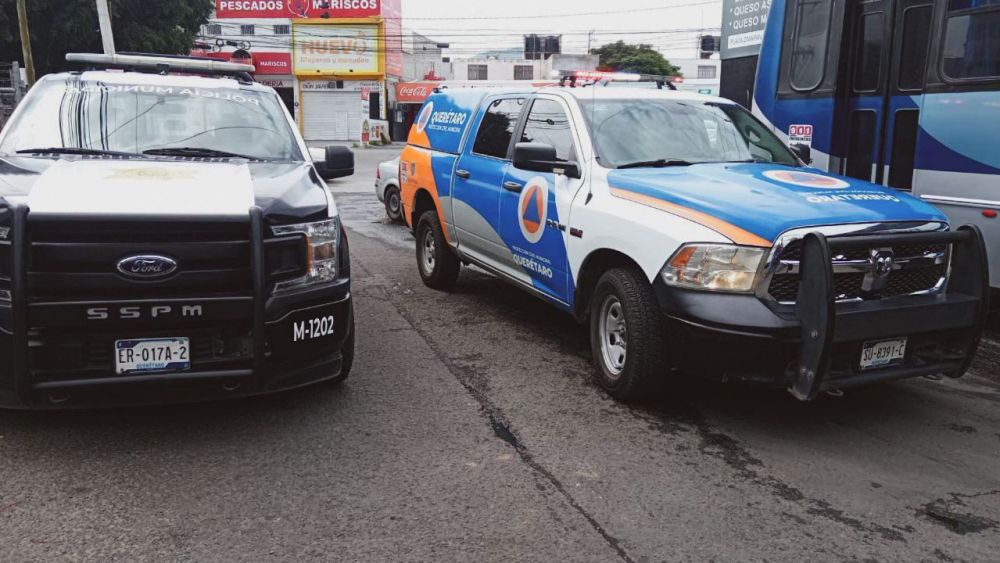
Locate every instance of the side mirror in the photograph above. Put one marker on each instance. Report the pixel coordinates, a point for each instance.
(540, 157)
(334, 161)
(803, 152)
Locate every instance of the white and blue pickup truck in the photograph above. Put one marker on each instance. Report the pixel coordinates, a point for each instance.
(691, 239)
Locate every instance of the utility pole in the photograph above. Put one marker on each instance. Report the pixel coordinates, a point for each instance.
(22, 20)
(107, 37)
(590, 36)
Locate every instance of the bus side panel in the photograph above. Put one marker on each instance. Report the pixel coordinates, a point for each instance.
(957, 159)
(765, 90)
(780, 114)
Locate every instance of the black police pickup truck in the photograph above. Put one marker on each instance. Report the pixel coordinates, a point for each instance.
(165, 236)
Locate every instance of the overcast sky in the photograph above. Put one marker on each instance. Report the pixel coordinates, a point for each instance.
(474, 26)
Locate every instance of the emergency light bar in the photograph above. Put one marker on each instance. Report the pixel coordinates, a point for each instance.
(161, 64)
(602, 77)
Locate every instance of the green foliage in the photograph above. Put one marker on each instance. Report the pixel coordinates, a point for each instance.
(62, 26)
(641, 58)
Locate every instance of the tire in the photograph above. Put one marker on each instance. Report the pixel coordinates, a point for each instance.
(393, 204)
(347, 357)
(627, 334)
(437, 264)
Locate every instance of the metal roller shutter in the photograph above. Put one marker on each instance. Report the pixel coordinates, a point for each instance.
(331, 116)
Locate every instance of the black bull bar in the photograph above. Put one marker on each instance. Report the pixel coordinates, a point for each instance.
(959, 310)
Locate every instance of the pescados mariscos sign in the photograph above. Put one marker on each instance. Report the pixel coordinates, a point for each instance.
(297, 9)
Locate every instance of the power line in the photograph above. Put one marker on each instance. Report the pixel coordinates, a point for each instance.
(571, 15)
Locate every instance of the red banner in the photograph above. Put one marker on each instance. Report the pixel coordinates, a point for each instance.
(297, 9)
(272, 63)
(392, 11)
(265, 62)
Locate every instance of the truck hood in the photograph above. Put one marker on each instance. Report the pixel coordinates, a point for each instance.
(767, 200)
(135, 188)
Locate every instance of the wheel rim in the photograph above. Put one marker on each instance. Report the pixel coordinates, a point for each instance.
(393, 202)
(427, 252)
(613, 332)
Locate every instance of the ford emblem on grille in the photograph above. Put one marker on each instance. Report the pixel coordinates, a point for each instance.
(147, 266)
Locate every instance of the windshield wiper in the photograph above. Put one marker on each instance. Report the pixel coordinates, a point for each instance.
(658, 163)
(75, 150)
(196, 152)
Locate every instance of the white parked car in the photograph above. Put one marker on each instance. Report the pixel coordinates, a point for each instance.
(387, 188)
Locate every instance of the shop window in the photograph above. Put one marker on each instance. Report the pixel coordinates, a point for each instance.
(478, 72)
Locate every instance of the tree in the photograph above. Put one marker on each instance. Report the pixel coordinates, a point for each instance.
(641, 58)
(62, 26)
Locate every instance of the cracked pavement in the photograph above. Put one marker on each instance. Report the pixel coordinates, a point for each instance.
(469, 430)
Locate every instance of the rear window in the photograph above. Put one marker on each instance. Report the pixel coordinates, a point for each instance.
(497, 127)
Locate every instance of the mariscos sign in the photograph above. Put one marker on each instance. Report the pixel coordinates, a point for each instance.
(297, 9)
(342, 50)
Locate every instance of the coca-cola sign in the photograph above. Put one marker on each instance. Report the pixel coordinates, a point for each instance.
(414, 92)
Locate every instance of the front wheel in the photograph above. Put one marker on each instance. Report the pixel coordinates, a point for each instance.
(436, 262)
(627, 334)
(393, 204)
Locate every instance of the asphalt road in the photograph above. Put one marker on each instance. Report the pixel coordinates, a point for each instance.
(469, 430)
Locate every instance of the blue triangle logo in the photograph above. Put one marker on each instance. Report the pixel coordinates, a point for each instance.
(532, 213)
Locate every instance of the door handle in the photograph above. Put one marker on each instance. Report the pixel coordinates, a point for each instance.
(463, 174)
(513, 186)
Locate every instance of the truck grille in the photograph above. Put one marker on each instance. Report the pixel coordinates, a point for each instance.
(924, 266)
(76, 259)
(72, 270)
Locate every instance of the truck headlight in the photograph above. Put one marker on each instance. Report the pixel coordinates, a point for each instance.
(714, 267)
(322, 242)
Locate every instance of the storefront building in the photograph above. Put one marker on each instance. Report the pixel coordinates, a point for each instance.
(332, 61)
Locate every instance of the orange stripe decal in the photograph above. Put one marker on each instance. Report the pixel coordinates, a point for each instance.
(734, 233)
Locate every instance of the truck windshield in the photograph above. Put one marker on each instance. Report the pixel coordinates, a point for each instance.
(84, 116)
(635, 131)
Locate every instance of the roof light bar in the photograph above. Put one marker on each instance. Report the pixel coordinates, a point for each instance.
(161, 64)
(602, 77)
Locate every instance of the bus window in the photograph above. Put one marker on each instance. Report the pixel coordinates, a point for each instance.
(868, 61)
(859, 155)
(913, 58)
(903, 149)
(972, 40)
(809, 43)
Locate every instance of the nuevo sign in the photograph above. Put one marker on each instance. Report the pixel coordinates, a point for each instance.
(743, 23)
(343, 50)
(297, 9)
